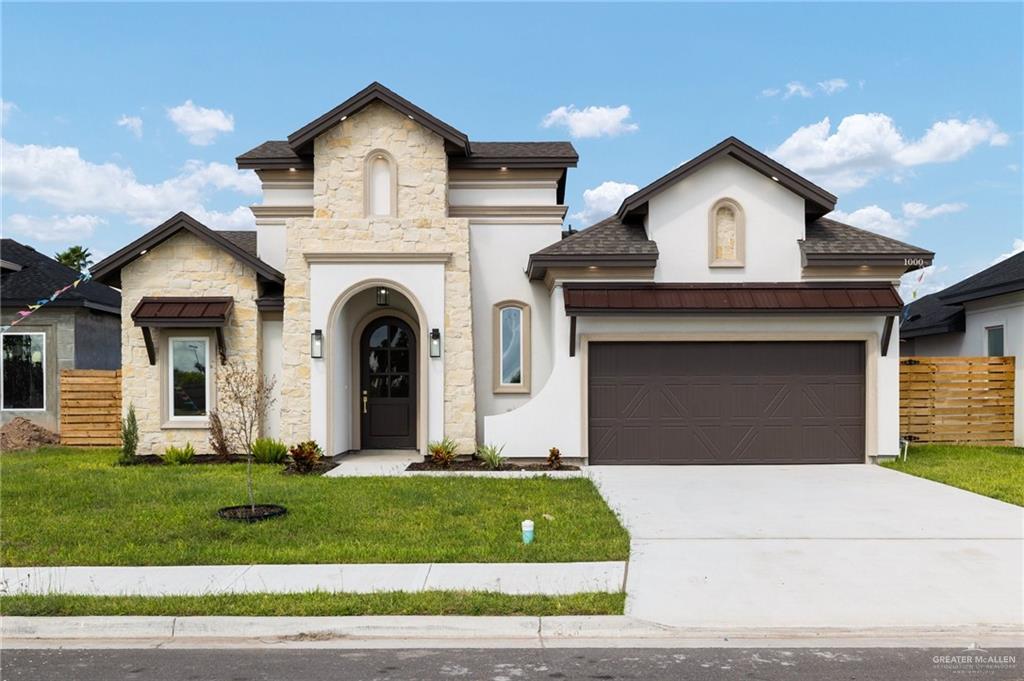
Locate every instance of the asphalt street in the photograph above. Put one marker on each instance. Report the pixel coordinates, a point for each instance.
(705, 664)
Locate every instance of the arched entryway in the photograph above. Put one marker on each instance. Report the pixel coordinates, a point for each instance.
(387, 379)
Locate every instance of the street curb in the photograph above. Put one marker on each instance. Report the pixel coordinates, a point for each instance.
(463, 631)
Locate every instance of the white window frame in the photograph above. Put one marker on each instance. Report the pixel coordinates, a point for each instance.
(523, 387)
(1002, 327)
(45, 381)
(171, 418)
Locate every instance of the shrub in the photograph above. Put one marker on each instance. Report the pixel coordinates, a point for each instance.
(269, 450)
(305, 455)
(491, 456)
(554, 458)
(129, 438)
(442, 452)
(218, 439)
(179, 456)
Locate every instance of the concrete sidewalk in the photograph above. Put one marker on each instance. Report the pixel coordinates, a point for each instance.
(462, 632)
(509, 578)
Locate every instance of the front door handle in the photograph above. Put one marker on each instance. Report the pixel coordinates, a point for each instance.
(365, 398)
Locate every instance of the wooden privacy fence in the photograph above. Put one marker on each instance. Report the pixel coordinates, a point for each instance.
(90, 407)
(957, 399)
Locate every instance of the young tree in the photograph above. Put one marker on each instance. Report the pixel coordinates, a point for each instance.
(246, 396)
(75, 257)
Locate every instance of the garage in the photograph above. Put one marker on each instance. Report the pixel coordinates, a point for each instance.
(726, 402)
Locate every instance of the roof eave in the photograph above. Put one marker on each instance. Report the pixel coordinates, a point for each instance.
(910, 260)
(260, 163)
(982, 292)
(538, 264)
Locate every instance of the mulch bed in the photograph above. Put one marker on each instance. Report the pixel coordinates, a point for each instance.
(478, 465)
(157, 460)
(251, 514)
(319, 468)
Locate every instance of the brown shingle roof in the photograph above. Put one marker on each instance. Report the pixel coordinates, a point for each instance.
(608, 243)
(273, 154)
(830, 237)
(734, 297)
(525, 150)
(243, 238)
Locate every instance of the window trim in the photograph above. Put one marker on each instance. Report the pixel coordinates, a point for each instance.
(170, 420)
(368, 184)
(45, 381)
(525, 351)
(741, 234)
(1002, 328)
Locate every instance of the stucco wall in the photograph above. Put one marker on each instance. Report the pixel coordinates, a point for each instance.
(340, 226)
(556, 415)
(181, 266)
(678, 222)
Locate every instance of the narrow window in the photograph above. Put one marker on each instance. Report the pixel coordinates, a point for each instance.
(24, 371)
(994, 341)
(381, 184)
(512, 347)
(726, 234)
(189, 378)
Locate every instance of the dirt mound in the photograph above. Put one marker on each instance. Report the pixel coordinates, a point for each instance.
(21, 433)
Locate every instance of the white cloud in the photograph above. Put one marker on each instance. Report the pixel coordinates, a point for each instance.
(54, 228)
(877, 219)
(132, 123)
(922, 282)
(239, 218)
(920, 211)
(795, 88)
(770, 92)
(199, 124)
(866, 146)
(60, 177)
(6, 109)
(603, 200)
(833, 85)
(1018, 247)
(592, 121)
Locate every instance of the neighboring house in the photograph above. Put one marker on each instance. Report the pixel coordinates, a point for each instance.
(405, 283)
(79, 330)
(981, 316)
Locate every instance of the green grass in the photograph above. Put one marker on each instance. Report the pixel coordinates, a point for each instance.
(316, 603)
(996, 472)
(74, 507)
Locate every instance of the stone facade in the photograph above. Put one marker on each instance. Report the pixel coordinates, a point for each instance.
(181, 266)
(339, 225)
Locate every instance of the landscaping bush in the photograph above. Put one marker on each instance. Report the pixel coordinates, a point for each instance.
(129, 438)
(218, 439)
(305, 455)
(491, 456)
(179, 456)
(442, 452)
(269, 450)
(554, 458)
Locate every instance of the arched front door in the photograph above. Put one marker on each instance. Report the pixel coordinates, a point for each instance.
(387, 357)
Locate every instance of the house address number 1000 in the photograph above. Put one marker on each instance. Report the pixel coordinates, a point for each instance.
(914, 262)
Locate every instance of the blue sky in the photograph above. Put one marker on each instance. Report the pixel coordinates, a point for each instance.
(116, 116)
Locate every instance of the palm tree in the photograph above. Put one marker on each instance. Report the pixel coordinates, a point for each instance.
(75, 257)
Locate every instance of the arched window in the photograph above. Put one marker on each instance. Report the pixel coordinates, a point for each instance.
(511, 347)
(726, 234)
(381, 184)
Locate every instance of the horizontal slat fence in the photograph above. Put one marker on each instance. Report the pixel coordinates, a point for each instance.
(90, 407)
(957, 399)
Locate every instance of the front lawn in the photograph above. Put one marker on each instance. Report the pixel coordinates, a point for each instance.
(63, 506)
(315, 604)
(996, 472)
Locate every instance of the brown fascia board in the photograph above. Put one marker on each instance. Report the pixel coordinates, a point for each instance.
(538, 264)
(818, 201)
(108, 270)
(513, 162)
(869, 259)
(275, 163)
(372, 93)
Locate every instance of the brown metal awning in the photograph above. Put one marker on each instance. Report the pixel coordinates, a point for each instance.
(644, 298)
(203, 312)
(647, 298)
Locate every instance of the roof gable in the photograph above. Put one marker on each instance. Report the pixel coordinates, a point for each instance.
(375, 92)
(818, 201)
(109, 269)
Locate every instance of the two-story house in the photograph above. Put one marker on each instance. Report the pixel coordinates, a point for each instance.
(406, 283)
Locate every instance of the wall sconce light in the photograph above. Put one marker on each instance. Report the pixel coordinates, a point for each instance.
(383, 296)
(435, 343)
(316, 344)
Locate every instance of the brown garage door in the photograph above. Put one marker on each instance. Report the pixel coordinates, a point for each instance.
(726, 403)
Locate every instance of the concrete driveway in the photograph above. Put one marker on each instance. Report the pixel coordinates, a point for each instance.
(830, 546)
